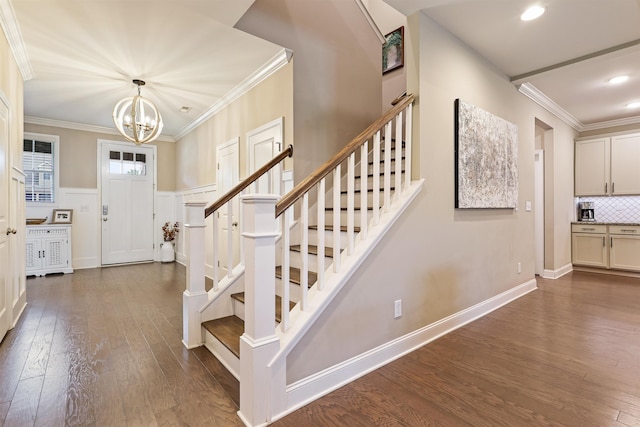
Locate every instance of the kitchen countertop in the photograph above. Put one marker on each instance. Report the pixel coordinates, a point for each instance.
(634, 224)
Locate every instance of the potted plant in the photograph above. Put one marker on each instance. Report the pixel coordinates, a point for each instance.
(169, 232)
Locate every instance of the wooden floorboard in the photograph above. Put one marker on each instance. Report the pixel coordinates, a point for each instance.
(103, 347)
(567, 354)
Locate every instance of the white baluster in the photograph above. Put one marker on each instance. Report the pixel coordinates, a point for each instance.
(351, 168)
(336, 219)
(286, 262)
(387, 165)
(216, 250)
(376, 178)
(398, 145)
(364, 201)
(320, 241)
(229, 247)
(408, 132)
(304, 252)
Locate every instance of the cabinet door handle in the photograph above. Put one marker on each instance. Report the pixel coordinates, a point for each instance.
(628, 231)
(611, 241)
(588, 229)
(605, 188)
(603, 241)
(613, 187)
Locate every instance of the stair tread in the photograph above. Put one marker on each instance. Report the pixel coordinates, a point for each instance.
(227, 330)
(369, 190)
(343, 208)
(295, 275)
(313, 250)
(330, 228)
(240, 297)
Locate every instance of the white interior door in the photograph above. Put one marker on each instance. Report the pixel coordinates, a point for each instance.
(127, 209)
(228, 158)
(5, 231)
(263, 144)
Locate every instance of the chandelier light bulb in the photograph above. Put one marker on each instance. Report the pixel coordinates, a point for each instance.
(532, 13)
(132, 122)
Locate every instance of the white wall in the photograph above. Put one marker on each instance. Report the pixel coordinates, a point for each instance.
(437, 259)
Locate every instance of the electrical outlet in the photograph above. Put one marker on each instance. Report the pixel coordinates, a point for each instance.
(519, 267)
(397, 309)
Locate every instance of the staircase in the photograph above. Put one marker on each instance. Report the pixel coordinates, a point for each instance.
(227, 330)
(295, 265)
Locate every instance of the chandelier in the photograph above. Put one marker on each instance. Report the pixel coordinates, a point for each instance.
(132, 119)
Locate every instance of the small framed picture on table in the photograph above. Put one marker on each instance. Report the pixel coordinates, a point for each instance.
(62, 216)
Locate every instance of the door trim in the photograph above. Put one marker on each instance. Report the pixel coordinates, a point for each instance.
(99, 144)
(277, 126)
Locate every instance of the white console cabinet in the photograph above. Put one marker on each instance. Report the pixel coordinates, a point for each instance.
(48, 249)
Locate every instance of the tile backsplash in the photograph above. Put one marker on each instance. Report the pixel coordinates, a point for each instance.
(615, 208)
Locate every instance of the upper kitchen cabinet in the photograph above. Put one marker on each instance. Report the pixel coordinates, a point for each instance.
(625, 164)
(608, 166)
(592, 163)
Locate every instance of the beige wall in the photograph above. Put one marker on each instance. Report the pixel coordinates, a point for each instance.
(437, 259)
(196, 152)
(79, 161)
(11, 86)
(337, 71)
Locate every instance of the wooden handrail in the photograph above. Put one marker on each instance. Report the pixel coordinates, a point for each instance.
(299, 190)
(248, 181)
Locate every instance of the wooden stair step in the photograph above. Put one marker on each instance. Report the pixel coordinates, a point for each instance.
(240, 297)
(330, 228)
(295, 275)
(313, 250)
(227, 330)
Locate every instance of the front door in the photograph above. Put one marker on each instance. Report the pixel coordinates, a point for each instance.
(127, 210)
(5, 231)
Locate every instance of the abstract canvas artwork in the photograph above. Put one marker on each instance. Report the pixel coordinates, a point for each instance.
(486, 156)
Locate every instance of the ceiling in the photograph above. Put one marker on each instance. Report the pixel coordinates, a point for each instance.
(80, 55)
(563, 59)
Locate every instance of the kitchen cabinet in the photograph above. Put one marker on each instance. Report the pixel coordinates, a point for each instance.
(589, 245)
(607, 166)
(591, 169)
(48, 249)
(625, 161)
(624, 247)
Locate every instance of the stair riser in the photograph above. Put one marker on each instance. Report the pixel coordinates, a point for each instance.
(328, 238)
(358, 187)
(296, 261)
(294, 290)
(370, 169)
(357, 204)
(238, 308)
(328, 217)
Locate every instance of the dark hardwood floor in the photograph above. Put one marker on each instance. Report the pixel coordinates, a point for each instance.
(103, 347)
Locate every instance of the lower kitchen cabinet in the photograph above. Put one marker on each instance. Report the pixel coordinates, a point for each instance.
(48, 249)
(589, 245)
(615, 247)
(624, 248)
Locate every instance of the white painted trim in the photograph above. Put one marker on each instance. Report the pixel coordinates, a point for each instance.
(554, 274)
(532, 92)
(612, 123)
(11, 29)
(83, 127)
(313, 387)
(222, 353)
(55, 141)
(371, 22)
(281, 59)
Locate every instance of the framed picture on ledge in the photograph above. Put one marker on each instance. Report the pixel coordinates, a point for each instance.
(62, 216)
(393, 51)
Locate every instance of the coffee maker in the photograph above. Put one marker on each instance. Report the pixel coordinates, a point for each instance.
(586, 211)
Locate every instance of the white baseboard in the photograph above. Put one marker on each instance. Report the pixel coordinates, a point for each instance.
(83, 263)
(315, 386)
(554, 274)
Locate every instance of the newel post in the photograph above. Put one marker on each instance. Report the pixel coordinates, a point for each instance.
(194, 296)
(259, 343)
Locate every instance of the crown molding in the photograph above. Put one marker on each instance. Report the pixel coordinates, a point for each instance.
(548, 104)
(11, 29)
(281, 59)
(611, 123)
(82, 127)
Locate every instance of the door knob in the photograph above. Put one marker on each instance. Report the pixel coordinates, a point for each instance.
(14, 231)
(8, 231)
(105, 219)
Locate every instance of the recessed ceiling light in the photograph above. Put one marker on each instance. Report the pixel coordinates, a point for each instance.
(618, 79)
(532, 13)
(634, 105)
